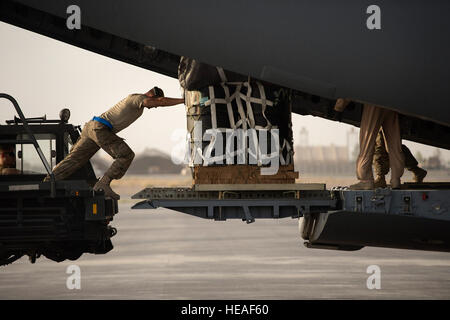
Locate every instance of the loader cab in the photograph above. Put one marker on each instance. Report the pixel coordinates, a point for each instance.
(57, 219)
(21, 162)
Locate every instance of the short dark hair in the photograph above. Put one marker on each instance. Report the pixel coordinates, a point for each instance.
(157, 92)
(7, 146)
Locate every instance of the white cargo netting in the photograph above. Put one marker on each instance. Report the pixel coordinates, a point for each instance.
(244, 100)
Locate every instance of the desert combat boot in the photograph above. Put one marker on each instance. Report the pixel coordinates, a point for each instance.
(418, 174)
(103, 184)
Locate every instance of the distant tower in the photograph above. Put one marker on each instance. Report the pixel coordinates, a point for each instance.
(352, 144)
(303, 137)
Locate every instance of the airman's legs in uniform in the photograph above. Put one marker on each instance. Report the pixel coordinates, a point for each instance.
(93, 137)
(374, 118)
(381, 163)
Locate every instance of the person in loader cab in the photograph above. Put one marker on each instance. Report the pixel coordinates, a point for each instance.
(8, 159)
(100, 132)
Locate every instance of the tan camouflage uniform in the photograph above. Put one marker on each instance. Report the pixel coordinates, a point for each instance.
(373, 119)
(381, 157)
(96, 135)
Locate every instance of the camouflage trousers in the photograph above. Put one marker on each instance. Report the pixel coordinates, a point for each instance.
(381, 157)
(93, 137)
(373, 119)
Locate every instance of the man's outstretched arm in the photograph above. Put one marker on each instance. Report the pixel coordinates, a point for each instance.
(161, 102)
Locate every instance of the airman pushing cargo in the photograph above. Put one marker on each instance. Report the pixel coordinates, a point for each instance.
(100, 132)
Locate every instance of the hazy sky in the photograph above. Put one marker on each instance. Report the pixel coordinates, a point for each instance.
(46, 75)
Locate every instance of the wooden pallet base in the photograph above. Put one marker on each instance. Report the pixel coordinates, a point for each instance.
(242, 174)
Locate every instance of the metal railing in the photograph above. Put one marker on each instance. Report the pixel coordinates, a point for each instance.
(32, 140)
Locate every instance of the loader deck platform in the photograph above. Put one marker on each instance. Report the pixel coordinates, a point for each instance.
(240, 201)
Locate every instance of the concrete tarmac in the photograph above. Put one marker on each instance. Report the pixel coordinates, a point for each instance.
(162, 254)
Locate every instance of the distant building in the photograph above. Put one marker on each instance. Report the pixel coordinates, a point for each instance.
(323, 160)
(352, 144)
(151, 161)
(303, 137)
(322, 153)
